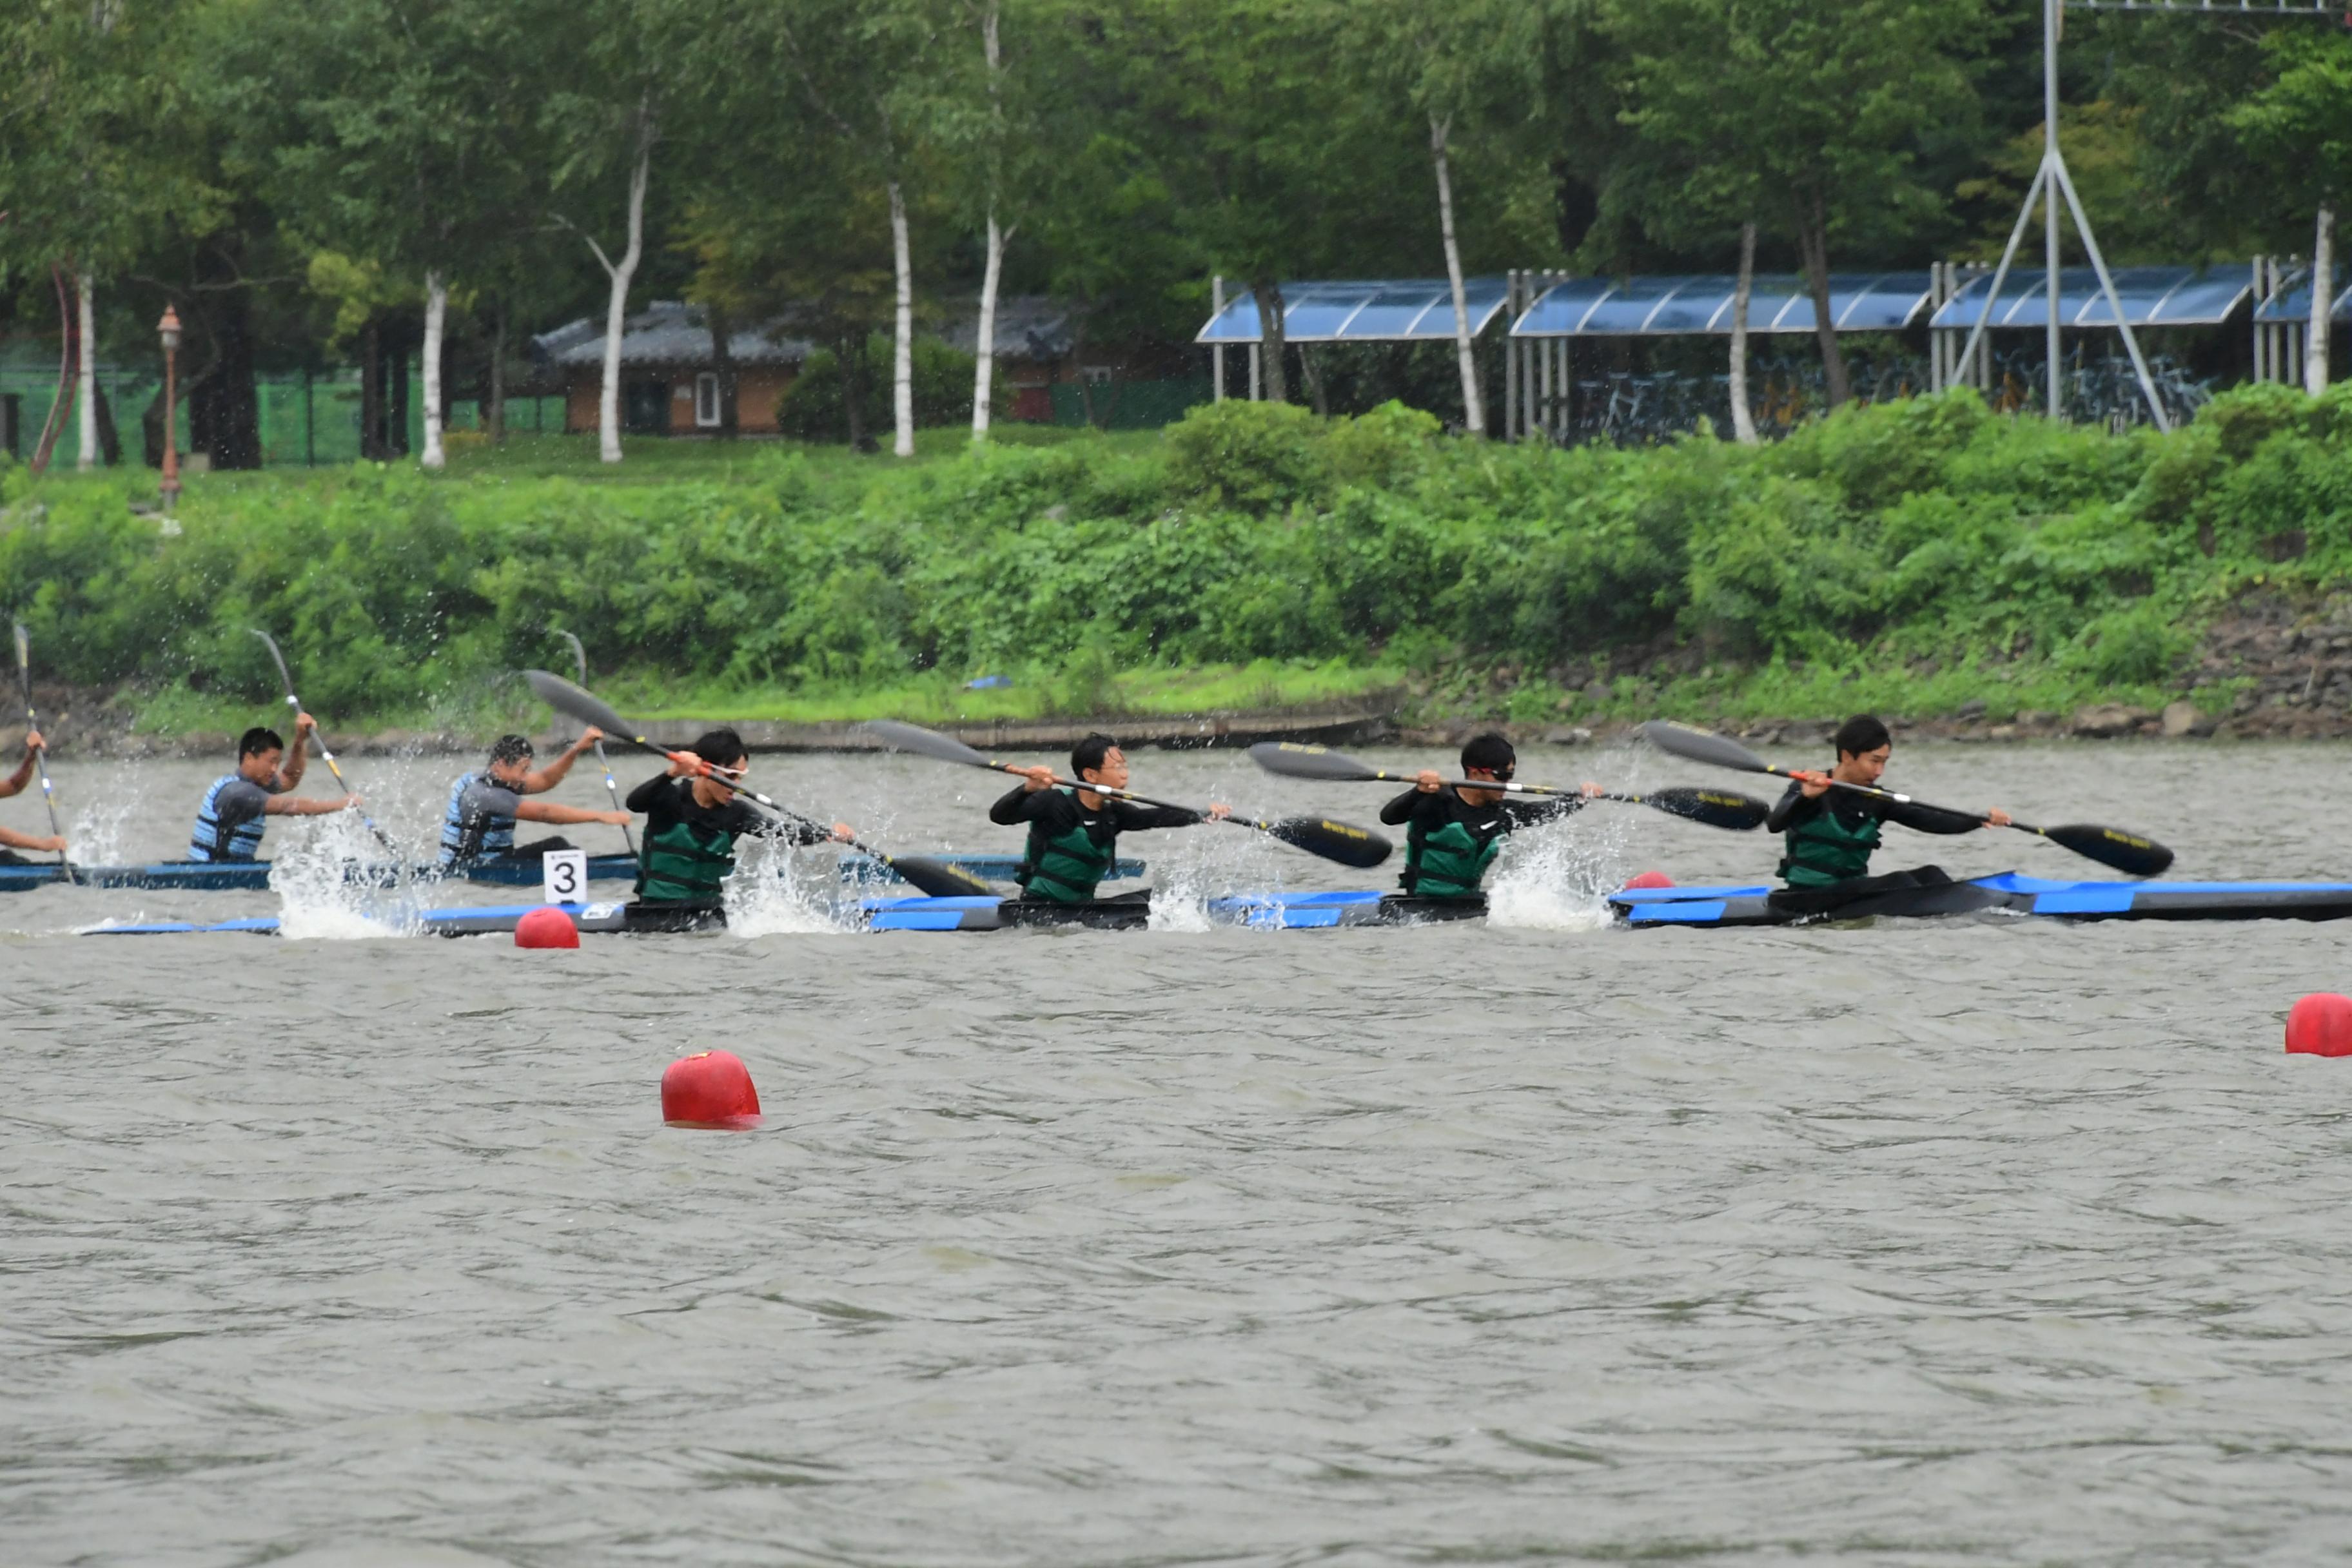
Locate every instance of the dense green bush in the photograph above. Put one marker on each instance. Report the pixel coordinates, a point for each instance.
(1930, 529)
(812, 406)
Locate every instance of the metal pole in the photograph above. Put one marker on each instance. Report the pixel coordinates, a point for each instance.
(2057, 408)
(2114, 302)
(2261, 297)
(1254, 371)
(2001, 273)
(1217, 354)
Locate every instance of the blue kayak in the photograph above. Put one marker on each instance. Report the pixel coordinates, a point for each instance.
(219, 876)
(2009, 892)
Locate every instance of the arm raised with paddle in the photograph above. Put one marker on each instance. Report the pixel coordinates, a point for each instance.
(934, 878)
(36, 757)
(2130, 853)
(1715, 808)
(1342, 842)
(301, 730)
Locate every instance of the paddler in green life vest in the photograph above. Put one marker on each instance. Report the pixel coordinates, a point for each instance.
(1452, 835)
(1829, 833)
(15, 784)
(1074, 833)
(692, 822)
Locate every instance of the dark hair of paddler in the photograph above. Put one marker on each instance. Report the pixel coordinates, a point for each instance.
(1089, 753)
(260, 739)
(1862, 732)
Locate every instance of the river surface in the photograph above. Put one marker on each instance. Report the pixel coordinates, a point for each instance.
(1980, 1241)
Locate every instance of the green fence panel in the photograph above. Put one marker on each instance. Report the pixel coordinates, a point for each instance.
(1133, 404)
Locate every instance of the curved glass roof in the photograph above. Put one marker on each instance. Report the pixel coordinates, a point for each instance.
(2152, 297)
(2292, 304)
(1777, 302)
(1377, 310)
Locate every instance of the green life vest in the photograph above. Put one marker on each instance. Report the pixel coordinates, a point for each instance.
(1446, 863)
(1065, 867)
(1825, 849)
(683, 861)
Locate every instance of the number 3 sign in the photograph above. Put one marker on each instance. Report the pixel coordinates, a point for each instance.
(567, 874)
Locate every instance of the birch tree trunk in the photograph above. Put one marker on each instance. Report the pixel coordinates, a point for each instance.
(902, 349)
(1743, 419)
(1267, 292)
(436, 319)
(1473, 413)
(616, 307)
(2323, 301)
(88, 394)
(985, 341)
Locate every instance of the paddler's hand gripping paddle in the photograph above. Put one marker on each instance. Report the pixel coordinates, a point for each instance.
(294, 706)
(935, 877)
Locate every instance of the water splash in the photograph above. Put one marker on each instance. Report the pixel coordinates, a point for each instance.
(778, 891)
(319, 900)
(1556, 877)
(94, 833)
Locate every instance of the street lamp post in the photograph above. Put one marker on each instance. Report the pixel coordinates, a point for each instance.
(168, 328)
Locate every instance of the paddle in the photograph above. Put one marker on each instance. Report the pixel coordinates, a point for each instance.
(935, 877)
(294, 703)
(580, 658)
(32, 722)
(1715, 808)
(1340, 841)
(2112, 847)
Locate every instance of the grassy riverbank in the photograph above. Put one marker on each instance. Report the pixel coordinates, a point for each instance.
(1923, 558)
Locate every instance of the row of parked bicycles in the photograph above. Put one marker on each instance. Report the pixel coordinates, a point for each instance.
(1633, 409)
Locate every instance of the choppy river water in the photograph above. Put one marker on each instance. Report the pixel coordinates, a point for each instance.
(1981, 1241)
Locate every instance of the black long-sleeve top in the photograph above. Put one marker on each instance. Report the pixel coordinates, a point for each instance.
(1794, 809)
(1430, 811)
(663, 800)
(1053, 811)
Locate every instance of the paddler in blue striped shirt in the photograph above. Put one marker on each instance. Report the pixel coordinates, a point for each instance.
(15, 784)
(484, 805)
(231, 817)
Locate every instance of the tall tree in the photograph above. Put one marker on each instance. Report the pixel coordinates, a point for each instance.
(2298, 130)
(1823, 109)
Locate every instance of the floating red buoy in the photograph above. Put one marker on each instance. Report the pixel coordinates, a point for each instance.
(546, 926)
(2320, 1025)
(1652, 880)
(711, 1089)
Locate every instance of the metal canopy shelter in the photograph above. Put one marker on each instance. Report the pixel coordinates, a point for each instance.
(2151, 297)
(2291, 306)
(1778, 302)
(1376, 311)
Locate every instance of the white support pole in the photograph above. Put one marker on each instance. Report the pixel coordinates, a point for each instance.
(2115, 300)
(1257, 364)
(1512, 310)
(2262, 331)
(1217, 354)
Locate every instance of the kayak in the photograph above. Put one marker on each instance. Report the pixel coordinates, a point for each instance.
(1711, 907)
(220, 875)
(1281, 912)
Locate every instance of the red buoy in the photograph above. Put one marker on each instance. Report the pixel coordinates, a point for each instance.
(710, 1090)
(2320, 1025)
(546, 926)
(1652, 880)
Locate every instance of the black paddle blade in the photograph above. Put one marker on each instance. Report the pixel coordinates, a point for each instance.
(1292, 760)
(565, 697)
(1341, 841)
(2126, 852)
(1702, 746)
(938, 879)
(914, 737)
(1714, 807)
